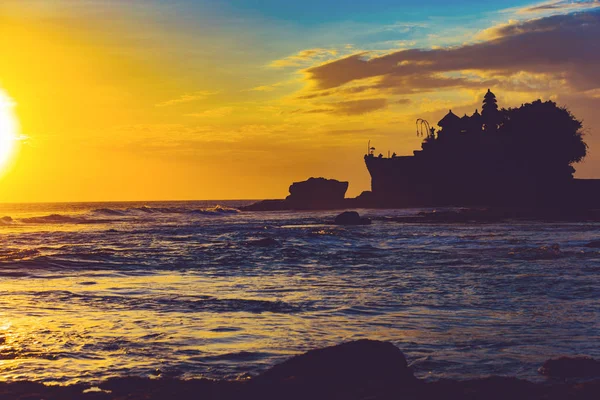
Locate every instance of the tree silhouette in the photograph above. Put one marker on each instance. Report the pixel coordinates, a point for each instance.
(544, 137)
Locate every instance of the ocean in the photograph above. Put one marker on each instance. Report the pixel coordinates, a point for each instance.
(90, 291)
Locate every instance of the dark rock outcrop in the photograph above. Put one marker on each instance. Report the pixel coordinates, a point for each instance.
(359, 361)
(266, 205)
(351, 218)
(312, 194)
(571, 367)
(317, 193)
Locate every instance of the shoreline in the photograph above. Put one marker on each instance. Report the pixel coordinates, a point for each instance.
(363, 369)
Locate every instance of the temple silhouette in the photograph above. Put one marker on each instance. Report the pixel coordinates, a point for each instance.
(500, 157)
(504, 159)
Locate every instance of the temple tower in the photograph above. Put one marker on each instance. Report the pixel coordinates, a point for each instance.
(489, 112)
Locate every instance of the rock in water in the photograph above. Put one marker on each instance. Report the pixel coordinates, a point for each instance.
(317, 193)
(351, 218)
(264, 242)
(266, 205)
(347, 364)
(571, 367)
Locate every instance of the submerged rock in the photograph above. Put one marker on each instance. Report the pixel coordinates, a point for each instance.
(351, 218)
(347, 363)
(571, 367)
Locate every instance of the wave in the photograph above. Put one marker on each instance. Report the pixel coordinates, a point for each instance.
(537, 253)
(215, 210)
(109, 212)
(145, 210)
(8, 254)
(99, 215)
(175, 303)
(236, 356)
(58, 219)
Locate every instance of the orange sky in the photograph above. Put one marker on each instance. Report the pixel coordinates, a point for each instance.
(151, 101)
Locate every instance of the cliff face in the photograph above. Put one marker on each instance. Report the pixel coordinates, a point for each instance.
(455, 179)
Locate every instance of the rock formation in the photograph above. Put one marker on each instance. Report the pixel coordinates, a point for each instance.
(317, 193)
(312, 194)
(351, 218)
(571, 367)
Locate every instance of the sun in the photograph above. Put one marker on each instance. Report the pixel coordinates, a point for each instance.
(9, 130)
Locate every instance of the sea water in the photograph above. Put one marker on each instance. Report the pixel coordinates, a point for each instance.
(192, 289)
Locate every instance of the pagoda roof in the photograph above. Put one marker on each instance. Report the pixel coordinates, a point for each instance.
(476, 116)
(489, 94)
(449, 119)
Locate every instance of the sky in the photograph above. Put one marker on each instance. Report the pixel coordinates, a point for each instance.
(107, 100)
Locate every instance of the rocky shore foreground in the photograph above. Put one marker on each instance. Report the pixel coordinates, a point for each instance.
(363, 369)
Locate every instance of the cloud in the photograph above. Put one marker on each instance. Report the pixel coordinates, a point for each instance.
(562, 47)
(304, 57)
(186, 98)
(560, 5)
(358, 107)
(264, 88)
(351, 132)
(350, 107)
(316, 95)
(213, 113)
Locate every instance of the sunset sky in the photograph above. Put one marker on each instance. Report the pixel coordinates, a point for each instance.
(197, 99)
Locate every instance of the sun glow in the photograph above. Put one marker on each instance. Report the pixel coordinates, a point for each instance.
(9, 128)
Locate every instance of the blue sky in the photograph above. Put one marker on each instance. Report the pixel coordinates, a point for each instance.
(314, 12)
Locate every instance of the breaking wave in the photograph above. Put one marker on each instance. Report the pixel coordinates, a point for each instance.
(56, 219)
(105, 215)
(145, 210)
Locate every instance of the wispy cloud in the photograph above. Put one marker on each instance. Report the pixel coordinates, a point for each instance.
(186, 98)
(212, 113)
(264, 88)
(304, 57)
(559, 5)
(348, 108)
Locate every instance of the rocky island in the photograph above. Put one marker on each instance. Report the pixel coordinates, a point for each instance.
(312, 194)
